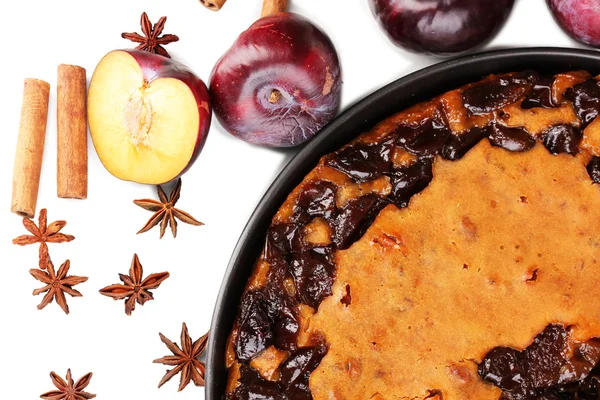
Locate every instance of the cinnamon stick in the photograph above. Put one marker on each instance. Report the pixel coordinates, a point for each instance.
(213, 5)
(271, 7)
(30, 147)
(72, 158)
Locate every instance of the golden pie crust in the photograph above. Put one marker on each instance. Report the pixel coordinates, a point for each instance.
(436, 285)
(498, 246)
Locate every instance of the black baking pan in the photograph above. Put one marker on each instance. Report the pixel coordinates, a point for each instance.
(403, 93)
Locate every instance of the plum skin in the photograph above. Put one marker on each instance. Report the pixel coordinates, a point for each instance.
(441, 27)
(278, 84)
(578, 18)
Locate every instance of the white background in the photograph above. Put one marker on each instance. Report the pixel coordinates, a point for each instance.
(221, 189)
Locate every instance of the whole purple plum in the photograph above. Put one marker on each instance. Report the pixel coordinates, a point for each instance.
(441, 27)
(279, 83)
(580, 19)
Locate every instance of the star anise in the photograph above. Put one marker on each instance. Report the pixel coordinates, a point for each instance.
(165, 212)
(185, 359)
(57, 284)
(43, 234)
(69, 390)
(134, 288)
(151, 41)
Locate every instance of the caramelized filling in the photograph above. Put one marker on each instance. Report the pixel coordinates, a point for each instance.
(552, 367)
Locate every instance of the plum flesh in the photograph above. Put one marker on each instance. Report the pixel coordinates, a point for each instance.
(279, 83)
(441, 27)
(148, 115)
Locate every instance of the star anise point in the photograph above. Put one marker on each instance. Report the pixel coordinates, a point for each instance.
(69, 389)
(57, 284)
(43, 234)
(165, 212)
(134, 288)
(184, 359)
(152, 41)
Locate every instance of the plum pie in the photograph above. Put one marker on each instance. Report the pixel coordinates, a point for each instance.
(450, 252)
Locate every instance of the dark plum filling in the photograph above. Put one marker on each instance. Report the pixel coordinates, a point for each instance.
(406, 182)
(313, 272)
(317, 200)
(254, 331)
(363, 162)
(292, 383)
(282, 312)
(511, 139)
(540, 94)
(490, 96)
(543, 370)
(283, 239)
(296, 370)
(458, 146)
(562, 139)
(593, 169)
(586, 100)
(267, 317)
(355, 218)
(426, 139)
(254, 386)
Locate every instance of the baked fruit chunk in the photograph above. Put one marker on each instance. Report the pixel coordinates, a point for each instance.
(451, 252)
